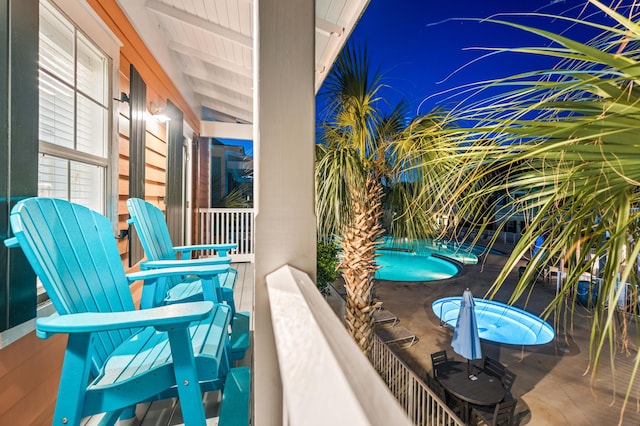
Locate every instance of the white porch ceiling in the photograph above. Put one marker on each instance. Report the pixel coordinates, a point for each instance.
(206, 47)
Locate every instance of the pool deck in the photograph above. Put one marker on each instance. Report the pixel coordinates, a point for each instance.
(553, 383)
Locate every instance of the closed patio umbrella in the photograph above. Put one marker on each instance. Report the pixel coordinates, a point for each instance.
(466, 339)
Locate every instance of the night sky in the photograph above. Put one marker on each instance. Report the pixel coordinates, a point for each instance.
(419, 44)
(424, 47)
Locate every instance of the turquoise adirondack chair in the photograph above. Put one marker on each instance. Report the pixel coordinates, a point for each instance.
(149, 222)
(117, 356)
(151, 227)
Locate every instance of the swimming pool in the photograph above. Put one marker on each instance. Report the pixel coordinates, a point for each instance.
(414, 260)
(498, 322)
(462, 253)
(409, 266)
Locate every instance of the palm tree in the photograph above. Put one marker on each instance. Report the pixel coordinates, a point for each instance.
(355, 170)
(568, 139)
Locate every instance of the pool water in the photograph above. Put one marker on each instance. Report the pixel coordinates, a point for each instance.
(406, 266)
(462, 253)
(498, 322)
(405, 260)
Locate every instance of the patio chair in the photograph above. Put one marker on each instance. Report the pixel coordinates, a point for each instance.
(116, 356)
(437, 388)
(154, 235)
(438, 358)
(500, 415)
(449, 400)
(493, 367)
(149, 222)
(507, 379)
(396, 335)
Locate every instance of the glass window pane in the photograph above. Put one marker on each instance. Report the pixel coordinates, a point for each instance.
(53, 177)
(91, 127)
(56, 43)
(92, 67)
(85, 179)
(56, 111)
(74, 112)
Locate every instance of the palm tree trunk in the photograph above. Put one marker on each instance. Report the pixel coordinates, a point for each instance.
(359, 241)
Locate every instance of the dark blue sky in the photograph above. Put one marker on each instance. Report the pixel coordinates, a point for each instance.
(418, 44)
(422, 46)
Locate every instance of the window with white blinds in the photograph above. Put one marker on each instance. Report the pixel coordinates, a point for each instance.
(73, 114)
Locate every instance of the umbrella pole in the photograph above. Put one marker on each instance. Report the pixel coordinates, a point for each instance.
(468, 369)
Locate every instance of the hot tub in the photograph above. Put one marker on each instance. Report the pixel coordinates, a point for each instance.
(498, 322)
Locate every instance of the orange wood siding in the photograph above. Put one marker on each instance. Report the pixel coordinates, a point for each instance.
(137, 53)
(159, 89)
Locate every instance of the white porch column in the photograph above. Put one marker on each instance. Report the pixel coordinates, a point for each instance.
(284, 126)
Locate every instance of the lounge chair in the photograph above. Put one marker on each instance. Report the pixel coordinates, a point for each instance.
(384, 317)
(396, 335)
(117, 356)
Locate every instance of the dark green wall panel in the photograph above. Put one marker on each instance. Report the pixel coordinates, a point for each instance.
(175, 171)
(137, 129)
(18, 148)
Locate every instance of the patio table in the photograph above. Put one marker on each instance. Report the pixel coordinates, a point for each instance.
(484, 390)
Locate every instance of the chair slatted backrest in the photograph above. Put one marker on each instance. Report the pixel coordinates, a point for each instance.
(438, 358)
(493, 367)
(73, 252)
(507, 379)
(152, 231)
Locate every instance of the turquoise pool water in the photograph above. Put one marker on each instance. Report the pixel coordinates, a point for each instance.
(498, 322)
(404, 260)
(462, 253)
(406, 266)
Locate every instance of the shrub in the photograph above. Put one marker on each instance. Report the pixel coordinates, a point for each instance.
(327, 265)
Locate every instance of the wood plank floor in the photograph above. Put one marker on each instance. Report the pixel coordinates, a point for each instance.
(167, 412)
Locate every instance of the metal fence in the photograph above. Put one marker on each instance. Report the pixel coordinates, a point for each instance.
(225, 226)
(421, 404)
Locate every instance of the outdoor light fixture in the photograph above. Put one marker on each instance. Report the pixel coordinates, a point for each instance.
(157, 112)
(123, 98)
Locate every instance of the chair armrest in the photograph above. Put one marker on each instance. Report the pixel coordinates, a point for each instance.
(179, 315)
(200, 270)
(221, 249)
(11, 242)
(181, 263)
(155, 282)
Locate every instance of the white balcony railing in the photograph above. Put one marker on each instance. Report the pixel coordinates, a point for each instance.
(319, 361)
(225, 226)
(422, 406)
(326, 379)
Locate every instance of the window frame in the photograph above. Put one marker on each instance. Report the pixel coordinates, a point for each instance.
(87, 21)
(75, 154)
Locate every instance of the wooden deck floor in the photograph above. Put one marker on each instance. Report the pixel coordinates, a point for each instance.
(167, 412)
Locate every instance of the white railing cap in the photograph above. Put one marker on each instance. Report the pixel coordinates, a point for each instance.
(326, 379)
